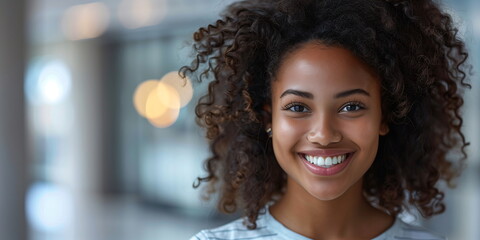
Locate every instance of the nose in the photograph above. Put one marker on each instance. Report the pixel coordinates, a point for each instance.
(324, 132)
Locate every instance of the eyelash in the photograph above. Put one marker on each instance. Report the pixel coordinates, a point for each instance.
(353, 103)
(356, 104)
(294, 104)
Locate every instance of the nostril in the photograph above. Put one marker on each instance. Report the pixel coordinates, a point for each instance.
(324, 138)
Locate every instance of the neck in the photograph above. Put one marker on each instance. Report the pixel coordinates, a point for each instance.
(348, 216)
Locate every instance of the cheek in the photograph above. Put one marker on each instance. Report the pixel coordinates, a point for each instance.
(365, 133)
(286, 126)
(287, 133)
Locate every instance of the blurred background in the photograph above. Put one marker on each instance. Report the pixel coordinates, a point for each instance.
(88, 152)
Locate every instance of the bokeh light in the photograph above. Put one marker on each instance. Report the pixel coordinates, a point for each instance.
(141, 95)
(163, 105)
(167, 119)
(157, 101)
(155, 107)
(141, 13)
(183, 86)
(54, 82)
(85, 21)
(168, 95)
(170, 101)
(49, 207)
(48, 81)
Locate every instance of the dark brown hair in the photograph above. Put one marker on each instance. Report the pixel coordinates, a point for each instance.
(412, 45)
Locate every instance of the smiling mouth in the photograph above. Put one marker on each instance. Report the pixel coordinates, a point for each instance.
(326, 162)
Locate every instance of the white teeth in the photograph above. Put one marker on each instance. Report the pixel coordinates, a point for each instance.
(321, 161)
(328, 161)
(325, 162)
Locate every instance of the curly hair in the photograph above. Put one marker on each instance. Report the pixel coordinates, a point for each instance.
(412, 45)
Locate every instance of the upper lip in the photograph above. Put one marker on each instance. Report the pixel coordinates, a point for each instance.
(326, 152)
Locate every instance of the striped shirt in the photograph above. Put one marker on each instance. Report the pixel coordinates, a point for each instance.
(268, 228)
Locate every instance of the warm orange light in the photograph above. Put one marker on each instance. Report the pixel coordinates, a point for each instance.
(85, 21)
(154, 107)
(167, 106)
(157, 101)
(141, 13)
(168, 95)
(141, 95)
(183, 86)
(167, 119)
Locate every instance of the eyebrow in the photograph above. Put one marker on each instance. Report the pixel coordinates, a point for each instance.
(338, 95)
(298, 93)
(351, 92)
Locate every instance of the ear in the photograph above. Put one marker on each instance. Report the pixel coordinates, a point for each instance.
(384, 129)
(267, 115)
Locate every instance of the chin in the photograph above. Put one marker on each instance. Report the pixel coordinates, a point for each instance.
(326, 193)
(327, 196)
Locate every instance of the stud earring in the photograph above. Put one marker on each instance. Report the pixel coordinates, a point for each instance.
(269, 132)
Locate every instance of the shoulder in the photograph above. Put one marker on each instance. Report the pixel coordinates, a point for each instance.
(412, 232)
(235, 230)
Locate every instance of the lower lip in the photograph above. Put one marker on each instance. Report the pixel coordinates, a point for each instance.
(317, 170)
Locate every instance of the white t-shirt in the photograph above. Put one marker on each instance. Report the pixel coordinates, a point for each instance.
(268, 228)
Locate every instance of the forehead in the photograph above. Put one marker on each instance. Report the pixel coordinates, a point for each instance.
(317, 66)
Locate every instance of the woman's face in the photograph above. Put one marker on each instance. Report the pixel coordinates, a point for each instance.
(326, 119)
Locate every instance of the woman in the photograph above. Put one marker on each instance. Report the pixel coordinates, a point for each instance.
(326, 119)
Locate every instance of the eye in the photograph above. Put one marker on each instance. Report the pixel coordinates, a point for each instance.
(296, 107)
(352, 107)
